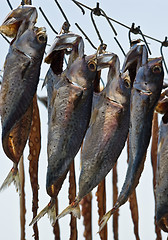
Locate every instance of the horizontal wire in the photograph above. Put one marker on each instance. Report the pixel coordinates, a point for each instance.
(89, 8)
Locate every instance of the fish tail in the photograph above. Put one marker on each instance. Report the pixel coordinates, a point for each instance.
(72, 208)
(13, 176)
(106, 217)
(50, 210)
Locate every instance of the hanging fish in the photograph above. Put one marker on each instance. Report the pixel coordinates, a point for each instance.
(109, 124)
(161, 189)
(69, 115)
(20, 80)
(14, 19)
(145, 94)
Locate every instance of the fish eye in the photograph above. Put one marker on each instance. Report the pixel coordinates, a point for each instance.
(92, 66)
(41, 38)
(127, 83)
(156, 69)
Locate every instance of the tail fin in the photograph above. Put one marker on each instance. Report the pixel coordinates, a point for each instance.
(72, 208)
(106, 217)
(50, 210)
(13, 176)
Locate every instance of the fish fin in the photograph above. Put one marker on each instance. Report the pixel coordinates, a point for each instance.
(50, 210)
(106, 217)
(104, 220)
(74, 209)
(13, 176)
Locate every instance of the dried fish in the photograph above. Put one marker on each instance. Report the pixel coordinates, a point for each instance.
(69, 115)
(18, 88)
(145, 94)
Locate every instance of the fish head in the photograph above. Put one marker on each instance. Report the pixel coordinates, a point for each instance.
(30, 41)
(104, 60)
(14, 19)
(118, 86)
(136, 57)
(66, 41)
(83, 71)
(149, 78)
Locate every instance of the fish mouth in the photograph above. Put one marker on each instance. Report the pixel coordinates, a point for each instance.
(144, 92)
(64, 42)
(104, 60)
(15, 18)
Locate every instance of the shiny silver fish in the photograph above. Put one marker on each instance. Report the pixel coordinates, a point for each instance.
(20, 80)
(161, 189)
(109, 124)
(145, 94)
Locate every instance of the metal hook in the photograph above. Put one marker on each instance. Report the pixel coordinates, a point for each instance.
(83, 11)
(119, 46)
(98, 11)
(164, 44)
(137, 30)
(47, 20)
(22, 2)
(5, 38)
(60, 8)
(9, 4)
(86, 37)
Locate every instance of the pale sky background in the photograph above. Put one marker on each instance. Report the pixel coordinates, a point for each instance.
(152, 16)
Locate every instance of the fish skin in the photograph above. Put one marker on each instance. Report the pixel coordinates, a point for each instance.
(20, 80)
(15, 18)
(145, 94)
(70, 115)
(161, 189)
(109, 123)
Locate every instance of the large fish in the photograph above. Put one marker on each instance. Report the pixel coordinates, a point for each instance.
(69, 115)
(109, 125)
(162, 179)
(20, 80)
(145, 94)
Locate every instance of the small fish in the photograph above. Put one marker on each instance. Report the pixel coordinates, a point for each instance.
(109, 125)
(145, 94)
(69, 115)
(20, 80)
(161, 189)
(14, 19)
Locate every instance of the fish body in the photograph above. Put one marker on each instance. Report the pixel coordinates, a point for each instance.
(145, 94)
(109, 124)
(20, 80)
(161, 189)
(70, 115)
